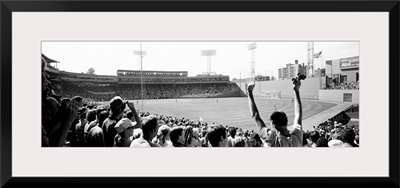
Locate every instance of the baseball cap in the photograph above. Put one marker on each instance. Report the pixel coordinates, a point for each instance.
(123, 124)
(116, 102)
(335, 143)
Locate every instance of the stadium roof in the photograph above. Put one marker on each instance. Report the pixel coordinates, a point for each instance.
(151, 71)
(49, 60)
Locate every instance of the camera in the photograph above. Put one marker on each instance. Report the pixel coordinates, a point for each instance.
(299, 77)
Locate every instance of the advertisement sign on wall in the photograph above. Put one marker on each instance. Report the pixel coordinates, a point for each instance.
(349, 63)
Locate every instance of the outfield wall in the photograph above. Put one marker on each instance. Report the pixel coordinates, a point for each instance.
(309, 88)
(339, 95)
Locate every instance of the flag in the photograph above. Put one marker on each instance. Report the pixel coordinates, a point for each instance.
(318, 55)
(200, 119)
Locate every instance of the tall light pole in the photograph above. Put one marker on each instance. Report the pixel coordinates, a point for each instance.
(252, 47)
(141, 53)
(208, 53)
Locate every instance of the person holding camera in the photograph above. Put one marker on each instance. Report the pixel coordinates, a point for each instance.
(279, 120)
(117, 107)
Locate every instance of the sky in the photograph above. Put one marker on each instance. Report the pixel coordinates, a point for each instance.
(232, 58)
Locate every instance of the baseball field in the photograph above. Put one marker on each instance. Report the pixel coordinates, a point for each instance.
(230, 111)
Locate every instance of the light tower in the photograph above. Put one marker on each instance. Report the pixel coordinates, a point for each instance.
(140, 53)
(310, 61)
(252, 47)
(208, 53)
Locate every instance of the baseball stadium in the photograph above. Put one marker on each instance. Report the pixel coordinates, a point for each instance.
(216, 99)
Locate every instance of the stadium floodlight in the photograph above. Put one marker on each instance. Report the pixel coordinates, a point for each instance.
(208, 53)
(140, 53)
(252, 47)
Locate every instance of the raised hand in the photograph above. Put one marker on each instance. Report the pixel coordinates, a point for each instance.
(296, 84)
(131, 105)
(250, 87)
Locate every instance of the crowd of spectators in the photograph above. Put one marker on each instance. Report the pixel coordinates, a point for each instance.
(67, 121)
(92, 128)
(174, 79)
(333, 134)
(345, 86)
(151, 74)
(97, 93)
(119, 125)
(150, 91)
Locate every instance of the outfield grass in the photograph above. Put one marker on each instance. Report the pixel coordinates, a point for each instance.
(229, 111)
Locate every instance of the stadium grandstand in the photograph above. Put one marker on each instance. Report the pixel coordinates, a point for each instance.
(128, 83)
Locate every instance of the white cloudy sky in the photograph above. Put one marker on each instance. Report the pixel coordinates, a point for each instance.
(232, 58)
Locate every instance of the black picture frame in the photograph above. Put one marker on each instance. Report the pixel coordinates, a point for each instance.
(8, 7)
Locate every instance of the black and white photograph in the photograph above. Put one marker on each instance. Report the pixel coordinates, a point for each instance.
(142, 94)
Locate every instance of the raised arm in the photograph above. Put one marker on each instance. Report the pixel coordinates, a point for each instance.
(253, 108)
(298, 111)
(137, 118)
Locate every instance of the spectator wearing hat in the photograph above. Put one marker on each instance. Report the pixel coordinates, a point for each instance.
(124, 128)
(149, 131)
(163, 136)
(279, 120)
(216, 136)
(177, 136)
(117, 107)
